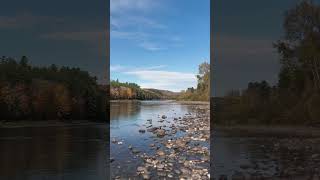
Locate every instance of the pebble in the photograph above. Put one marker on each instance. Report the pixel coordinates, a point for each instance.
(142, 131)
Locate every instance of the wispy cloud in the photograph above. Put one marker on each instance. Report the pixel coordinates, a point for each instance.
(134, 20)
(118, 22)
(139, 36)
(124, 69)
(151, 46)
(116, 68)
(155, 77)
(118, 6)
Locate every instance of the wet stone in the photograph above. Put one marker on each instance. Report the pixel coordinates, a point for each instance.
(142, 131)
(160, 153)
(135, 151)
(161, 132)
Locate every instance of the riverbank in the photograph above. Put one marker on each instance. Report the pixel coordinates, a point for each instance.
(273, 152)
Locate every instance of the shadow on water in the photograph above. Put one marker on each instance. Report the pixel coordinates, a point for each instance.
(68, 152)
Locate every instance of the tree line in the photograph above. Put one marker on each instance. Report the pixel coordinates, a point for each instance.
(202, 91)
(48, 93)
(126, 90)
(295, 99)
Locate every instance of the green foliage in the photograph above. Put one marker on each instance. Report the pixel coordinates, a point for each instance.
(126, 84)
(202, 92)
(29, 92)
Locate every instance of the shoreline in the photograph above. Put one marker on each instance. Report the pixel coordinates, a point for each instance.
(173, 100)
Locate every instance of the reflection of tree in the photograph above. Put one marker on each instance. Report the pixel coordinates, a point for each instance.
(58, 150)
(124, 109)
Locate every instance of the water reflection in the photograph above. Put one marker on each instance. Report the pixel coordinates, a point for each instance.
(71, 152)
(124, 109)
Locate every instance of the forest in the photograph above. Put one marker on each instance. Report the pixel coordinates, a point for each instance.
(49, 93)
(131, 91)
(295, 99)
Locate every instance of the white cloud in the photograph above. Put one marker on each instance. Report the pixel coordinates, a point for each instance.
(134, 20)
(124, 21)
(118, 6)
(116, 68)
(151, 46)
(123, 69)
(139, 36)
(154, 77)
(168, 80)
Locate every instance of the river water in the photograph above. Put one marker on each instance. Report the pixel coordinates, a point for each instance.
(234, 154)
(54, 152)
(81, 151)
(266, 153)
(127, 118)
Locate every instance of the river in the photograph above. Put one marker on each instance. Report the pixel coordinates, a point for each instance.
(135, 147)
(54, 152)
(266, 153)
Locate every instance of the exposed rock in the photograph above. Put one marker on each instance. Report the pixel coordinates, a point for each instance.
(135, 151)
(161, 132)
(142, 131)
(152, 129)
(160, 153)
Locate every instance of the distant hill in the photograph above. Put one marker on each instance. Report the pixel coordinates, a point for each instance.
(119, 90)
(165, 94)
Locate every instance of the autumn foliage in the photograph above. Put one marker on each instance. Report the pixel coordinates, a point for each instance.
(48, 93)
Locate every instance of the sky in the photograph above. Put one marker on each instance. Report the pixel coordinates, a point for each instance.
(67, 33)
(243, 33)
(159, 44)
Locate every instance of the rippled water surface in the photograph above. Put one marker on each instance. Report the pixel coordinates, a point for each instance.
(127, 118)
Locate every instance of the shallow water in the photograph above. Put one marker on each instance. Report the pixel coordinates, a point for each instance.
(127, 117)
(273, 155)
(248, 155)
(55, 152)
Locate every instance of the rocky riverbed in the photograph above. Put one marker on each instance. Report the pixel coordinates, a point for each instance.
(283, 153)
(179, 148)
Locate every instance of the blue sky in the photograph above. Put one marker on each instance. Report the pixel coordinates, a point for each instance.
(159, 44)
